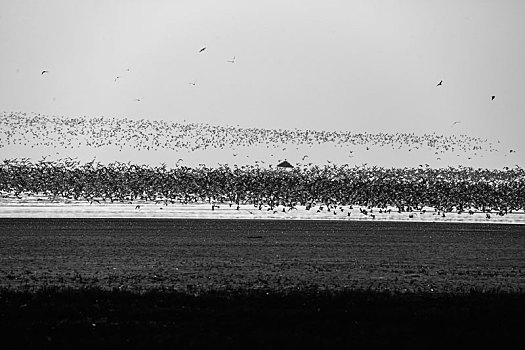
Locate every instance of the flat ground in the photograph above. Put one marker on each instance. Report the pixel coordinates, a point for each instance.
(202, 255)
(260, 283)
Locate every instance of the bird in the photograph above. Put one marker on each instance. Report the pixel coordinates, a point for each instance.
(440, 83)
(232, 60)
(193, 83)
(204, 48)
(117, 78)
(44, 71)
(493, 97)
(138, 99)
(456, 122)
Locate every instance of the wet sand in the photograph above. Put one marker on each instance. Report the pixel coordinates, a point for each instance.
(194, 255)
(158, 283)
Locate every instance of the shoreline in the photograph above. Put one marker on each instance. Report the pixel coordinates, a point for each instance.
(39, 207)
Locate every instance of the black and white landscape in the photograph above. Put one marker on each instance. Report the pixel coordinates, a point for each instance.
(228, 174)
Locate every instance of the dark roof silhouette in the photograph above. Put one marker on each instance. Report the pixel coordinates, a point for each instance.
(284, 164)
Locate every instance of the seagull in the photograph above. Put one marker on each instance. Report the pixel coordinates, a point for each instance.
(440, 83)
(204, 48)
(232, 60)
(493, 97)
(138, 99)
(44, 71)
(117, 78)
(455, 123)
(193, 83)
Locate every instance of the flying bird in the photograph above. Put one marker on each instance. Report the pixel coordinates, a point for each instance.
(44, 71)
(193, 83)
(117, 78)
(455, 123)
(493, 97)
(204, 48)
(138, 99)
(232, 60)
(440, 83)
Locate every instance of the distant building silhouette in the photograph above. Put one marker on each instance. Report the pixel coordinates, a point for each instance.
(285, 165)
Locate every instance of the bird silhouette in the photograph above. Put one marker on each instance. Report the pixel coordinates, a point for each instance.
(44, 71)
(456, 122)
(193, 83)
(440, 83)
(204, 48)
(232, 60)
(493, 97)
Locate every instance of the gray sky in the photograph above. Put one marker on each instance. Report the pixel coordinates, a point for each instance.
(335, 65)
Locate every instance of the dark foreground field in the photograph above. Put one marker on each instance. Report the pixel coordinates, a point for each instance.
(242, 319)
(155, 283)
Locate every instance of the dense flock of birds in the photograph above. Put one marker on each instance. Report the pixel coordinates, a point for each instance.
(23, 129)
(330, 187)
(36, 130)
